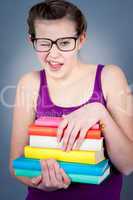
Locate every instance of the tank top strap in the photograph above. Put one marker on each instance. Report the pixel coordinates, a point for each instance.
(42, 78)
(44, 88)
(43, 100)
(98, 92)
(98, 84)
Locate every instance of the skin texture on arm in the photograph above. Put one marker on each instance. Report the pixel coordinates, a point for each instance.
(23, 116)
(52, 177)
(118, 131)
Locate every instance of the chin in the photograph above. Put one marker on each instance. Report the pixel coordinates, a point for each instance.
(58, 74)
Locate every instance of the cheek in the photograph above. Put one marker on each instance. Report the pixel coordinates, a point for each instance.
(70, 56)
(42, 57)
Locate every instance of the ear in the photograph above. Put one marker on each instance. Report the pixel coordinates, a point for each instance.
(29, 39)
(82, 39)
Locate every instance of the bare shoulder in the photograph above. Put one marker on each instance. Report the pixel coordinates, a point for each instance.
(30, 79)
(112, 71)
(29, 85)
(114, 79)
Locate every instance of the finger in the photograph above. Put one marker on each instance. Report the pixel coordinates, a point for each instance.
(80, 138)
(53, 180)
(66, 135)
(57, 172)
(102, 126)
(72, 138)
(61, 128)
(45, 173)
(59, 177)
(66, 179)
(36, 180)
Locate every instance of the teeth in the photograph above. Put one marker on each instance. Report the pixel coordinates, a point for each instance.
(54, 63)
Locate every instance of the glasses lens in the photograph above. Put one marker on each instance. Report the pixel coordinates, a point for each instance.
(42, 44)
(66, 44)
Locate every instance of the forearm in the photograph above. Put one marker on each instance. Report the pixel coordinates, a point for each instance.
(29, 182)
(119, 146)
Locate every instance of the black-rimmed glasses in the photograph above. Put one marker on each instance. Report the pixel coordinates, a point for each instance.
(63, 44)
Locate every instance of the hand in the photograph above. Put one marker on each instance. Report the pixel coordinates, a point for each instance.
(77, 123)
(53, 177)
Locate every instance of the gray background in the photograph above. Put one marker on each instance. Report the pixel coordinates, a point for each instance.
(110, 34)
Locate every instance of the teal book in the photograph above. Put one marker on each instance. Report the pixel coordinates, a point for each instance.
(79, 178)
(69, 168)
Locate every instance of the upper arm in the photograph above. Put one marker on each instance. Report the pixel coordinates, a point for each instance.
(119, 99)
(23, 114)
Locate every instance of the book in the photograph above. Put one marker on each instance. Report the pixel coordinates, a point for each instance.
(52, 131)
(69, 168)
(48, 121)
(54, 122)
(51, 142)
(77, 156)
(89, 179)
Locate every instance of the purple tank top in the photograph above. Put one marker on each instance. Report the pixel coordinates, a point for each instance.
(109, 189)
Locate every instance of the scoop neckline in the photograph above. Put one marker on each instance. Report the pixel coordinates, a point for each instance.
(72, 107)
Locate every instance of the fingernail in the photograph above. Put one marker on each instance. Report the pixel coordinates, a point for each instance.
(38, 177)
(74, 148)
(66, 180)
(68, 149)
(58, 140)
(33, 180)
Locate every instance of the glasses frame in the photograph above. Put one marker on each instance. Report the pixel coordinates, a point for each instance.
(54, 42)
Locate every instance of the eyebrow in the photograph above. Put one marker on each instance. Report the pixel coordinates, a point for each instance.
(73, 35)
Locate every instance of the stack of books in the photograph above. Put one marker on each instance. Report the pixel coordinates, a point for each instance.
(85, 165)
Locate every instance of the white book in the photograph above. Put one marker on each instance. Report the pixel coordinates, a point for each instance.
(51, 142)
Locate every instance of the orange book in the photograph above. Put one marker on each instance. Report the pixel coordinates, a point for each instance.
(52, 131)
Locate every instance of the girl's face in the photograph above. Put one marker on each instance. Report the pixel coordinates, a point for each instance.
(57, 63)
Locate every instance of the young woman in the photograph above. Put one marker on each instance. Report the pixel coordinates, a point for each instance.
(82, 93)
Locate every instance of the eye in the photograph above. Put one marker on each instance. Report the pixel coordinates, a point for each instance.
(44, 44)
(64, 43)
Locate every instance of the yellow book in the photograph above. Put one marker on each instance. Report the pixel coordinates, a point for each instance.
(88, 157)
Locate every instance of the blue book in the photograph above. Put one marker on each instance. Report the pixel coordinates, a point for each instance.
(69, 168)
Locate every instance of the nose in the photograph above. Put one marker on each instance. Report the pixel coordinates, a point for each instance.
(54, 51)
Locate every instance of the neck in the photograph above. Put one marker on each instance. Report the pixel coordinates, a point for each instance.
(70, 77)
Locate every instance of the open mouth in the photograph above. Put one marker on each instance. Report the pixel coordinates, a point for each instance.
(55, 65)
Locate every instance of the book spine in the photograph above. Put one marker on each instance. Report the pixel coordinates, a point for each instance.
(54, 122)
(52, 131)
(48, 121)
(31, 164)
(88, 157)
(51, 142)
(73, 177)
(41, 123)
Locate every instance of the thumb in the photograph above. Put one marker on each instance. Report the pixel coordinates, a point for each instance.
(36, 180)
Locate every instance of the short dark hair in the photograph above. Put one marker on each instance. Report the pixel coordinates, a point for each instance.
(56, 9)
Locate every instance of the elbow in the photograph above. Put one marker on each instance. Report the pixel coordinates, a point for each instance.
(11, 170)
(127, 172)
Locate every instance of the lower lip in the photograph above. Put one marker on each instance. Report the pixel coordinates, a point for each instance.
(55, 67)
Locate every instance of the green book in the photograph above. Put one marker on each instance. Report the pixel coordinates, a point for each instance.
(90, 179)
